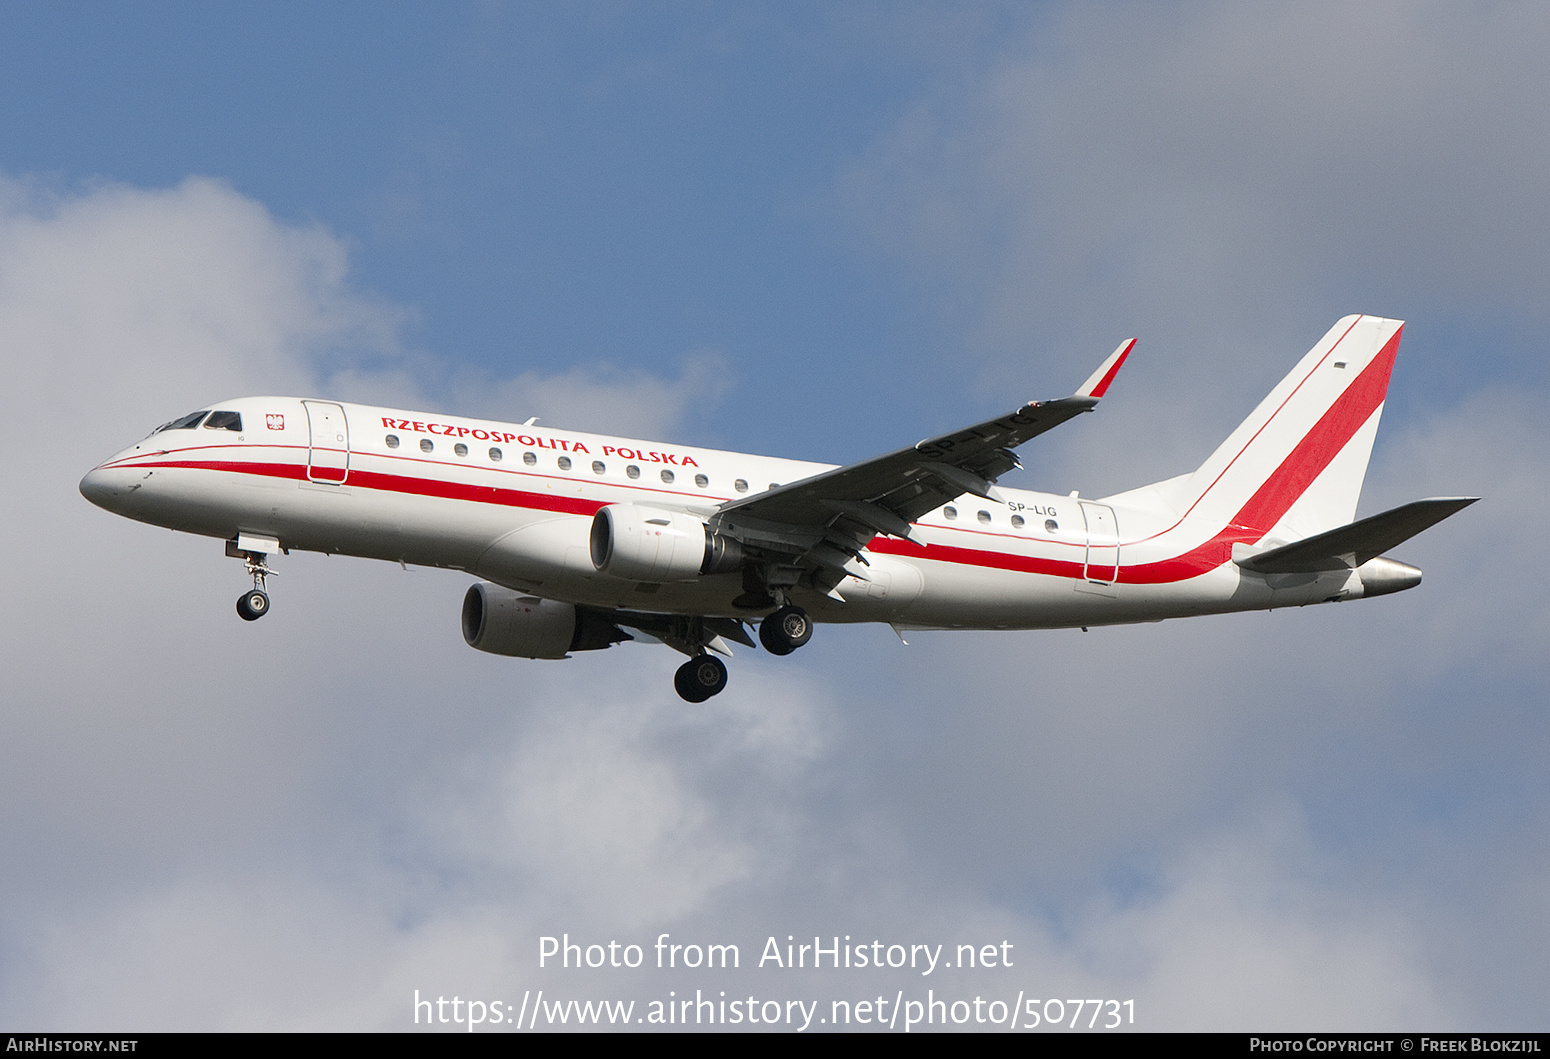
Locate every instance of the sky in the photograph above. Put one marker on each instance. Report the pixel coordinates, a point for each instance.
(819, 231)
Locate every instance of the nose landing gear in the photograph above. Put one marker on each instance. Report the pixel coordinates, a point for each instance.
(254, 603)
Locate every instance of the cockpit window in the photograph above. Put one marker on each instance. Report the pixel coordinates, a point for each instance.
(224, 421)
(188, 422)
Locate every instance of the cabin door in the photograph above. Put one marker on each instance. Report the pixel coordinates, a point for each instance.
(328, 457)
(1102, 543)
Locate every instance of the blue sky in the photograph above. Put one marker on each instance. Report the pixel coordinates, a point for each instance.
(609, 184)
(811, 231)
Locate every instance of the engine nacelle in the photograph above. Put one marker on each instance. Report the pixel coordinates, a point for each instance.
(504, 622)
(647, 544)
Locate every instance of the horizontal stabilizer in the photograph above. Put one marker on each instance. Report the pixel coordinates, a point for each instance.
(1361, 540)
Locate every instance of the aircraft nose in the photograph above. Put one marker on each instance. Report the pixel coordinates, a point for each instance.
(101, 487)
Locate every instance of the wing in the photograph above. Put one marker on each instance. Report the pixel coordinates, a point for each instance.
(824, 521)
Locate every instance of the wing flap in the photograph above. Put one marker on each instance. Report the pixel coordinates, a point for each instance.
(873, 517)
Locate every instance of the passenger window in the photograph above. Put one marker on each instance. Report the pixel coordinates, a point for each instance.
(950, 512)
(701, 481)
(530, 458)
(426, 445)
(667, 476)
(632, 471)
(740, 485)
(460, 448)
(392, 441)
(188, 422)
(495, 455)
(1050, 525)
(597, 467)
(564, 463)
(984, 517)
(224, 421)
(1017, 522)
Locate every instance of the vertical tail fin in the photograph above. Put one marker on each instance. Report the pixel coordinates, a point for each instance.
(1295, 466)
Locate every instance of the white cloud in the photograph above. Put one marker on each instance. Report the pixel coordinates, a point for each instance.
(1248, 936)
(599, 809)
(602, 399)
(1245, 931)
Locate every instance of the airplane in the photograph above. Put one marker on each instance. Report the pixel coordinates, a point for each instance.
(580, 541)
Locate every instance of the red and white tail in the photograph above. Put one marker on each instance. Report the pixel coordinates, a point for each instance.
(1294, 467)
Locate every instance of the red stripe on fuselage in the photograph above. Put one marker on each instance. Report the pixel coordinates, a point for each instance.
(396, 483)
(485, 494)
(1253, 520)
(948, 553)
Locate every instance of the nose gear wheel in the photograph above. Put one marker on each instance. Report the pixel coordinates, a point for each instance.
(254, 603)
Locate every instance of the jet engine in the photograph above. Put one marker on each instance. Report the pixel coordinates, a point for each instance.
(504, 622)
(647, 544)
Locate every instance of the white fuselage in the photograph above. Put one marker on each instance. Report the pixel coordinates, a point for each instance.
(515, 504)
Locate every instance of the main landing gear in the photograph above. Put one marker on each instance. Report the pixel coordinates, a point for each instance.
(700, 678)
(705, 675)
(785, 630)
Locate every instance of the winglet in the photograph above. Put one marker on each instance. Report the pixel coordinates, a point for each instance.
(1098, 383)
